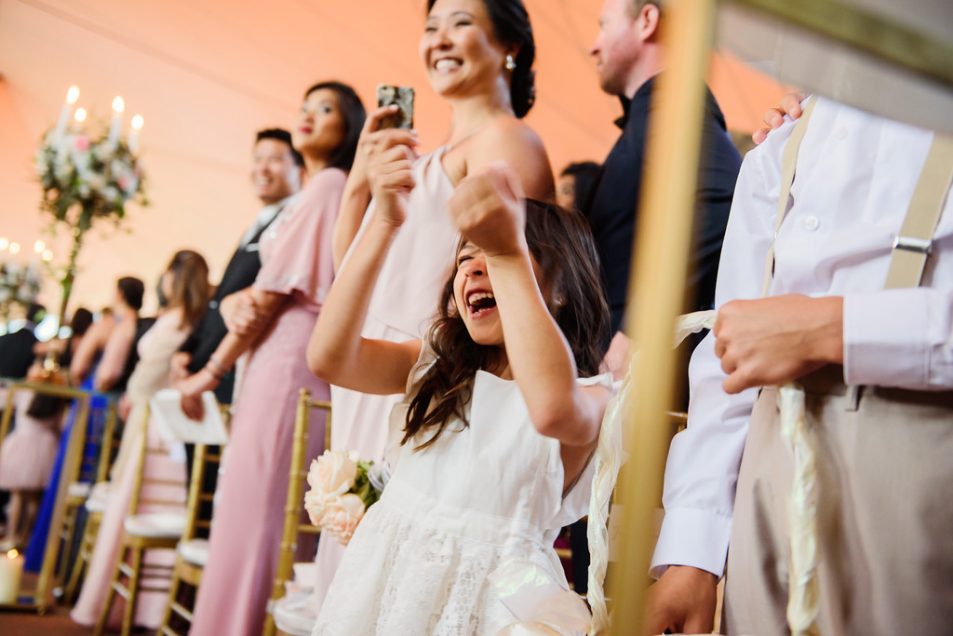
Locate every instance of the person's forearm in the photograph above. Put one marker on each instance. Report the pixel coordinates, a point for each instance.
(538, 354)
(334, 349)
(113, 362)
(354, 204)
(232, 346)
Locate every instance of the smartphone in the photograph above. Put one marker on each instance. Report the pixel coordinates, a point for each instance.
(403, 97)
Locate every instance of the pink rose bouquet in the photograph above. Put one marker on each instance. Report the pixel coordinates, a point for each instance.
(342, 488)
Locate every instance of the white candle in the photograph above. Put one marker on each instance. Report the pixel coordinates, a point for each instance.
(79, 118)
(137, 122)
(11, 567)
(71, 96)
(118, 107)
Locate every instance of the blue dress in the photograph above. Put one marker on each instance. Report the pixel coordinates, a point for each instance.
(36, 547)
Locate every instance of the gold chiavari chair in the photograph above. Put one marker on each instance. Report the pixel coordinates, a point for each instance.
(42, 596)
(192, 551)
(95, 505)
(294, 504)
(144, 531)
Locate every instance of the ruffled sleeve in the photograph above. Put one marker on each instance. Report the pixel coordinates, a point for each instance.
(298, 260)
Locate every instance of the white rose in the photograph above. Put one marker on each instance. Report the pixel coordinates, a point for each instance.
(333, 473)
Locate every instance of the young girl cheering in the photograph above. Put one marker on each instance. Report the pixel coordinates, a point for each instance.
(496, 430)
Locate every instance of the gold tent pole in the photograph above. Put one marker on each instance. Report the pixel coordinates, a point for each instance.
(657, 286)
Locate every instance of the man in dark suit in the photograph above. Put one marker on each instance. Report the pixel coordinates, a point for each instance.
(276, 174)
(16, 349)
(276, 177)
(628, 57)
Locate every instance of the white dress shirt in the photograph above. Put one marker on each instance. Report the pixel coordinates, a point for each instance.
(265, 216)
(855, 176)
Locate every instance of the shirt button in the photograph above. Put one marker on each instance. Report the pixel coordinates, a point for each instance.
(811, 223)
(841, 134)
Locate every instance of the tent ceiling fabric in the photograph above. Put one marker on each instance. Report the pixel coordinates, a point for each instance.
(820, 66)
(207, 74)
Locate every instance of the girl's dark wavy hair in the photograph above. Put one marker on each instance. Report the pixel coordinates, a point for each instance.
(353, 113)
(562, 245)
(511, 27)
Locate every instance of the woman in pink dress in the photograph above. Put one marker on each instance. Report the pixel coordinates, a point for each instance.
(185, 284)
(297, 268)
(478, 55)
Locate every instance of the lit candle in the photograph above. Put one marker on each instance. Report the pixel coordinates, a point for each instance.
(39, 246)
(118, 107)
(14, 247)
(47, 255)
(4, 243)
(11, 567)
(71, 96)
(137, 122)
(80, 117)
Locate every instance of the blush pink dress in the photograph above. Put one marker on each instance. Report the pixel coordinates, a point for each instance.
(247, 523)
(151, 374)
(27, 454)
(402, 307)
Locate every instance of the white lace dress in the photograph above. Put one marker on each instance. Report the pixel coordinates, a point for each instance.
(479, 498)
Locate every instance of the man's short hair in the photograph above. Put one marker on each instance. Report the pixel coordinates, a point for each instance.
(634, 6)
(132, 290)
(280, 134)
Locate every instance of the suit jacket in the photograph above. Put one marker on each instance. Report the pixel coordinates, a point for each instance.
(612, 216)
(16, 352)
(240, 273)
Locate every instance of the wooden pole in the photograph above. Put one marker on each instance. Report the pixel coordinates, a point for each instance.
(656, 293)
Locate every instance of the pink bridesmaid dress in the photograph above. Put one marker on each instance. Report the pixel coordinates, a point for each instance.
(402, 307)
(247, 523)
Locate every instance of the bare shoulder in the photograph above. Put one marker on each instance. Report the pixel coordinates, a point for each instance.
(513, 141)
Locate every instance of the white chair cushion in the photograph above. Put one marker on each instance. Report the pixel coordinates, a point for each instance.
(97, 504)
(194, 551)
(294, 613)
(155, 525)
(79, 489)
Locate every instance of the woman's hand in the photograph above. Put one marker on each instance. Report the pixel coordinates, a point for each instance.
(373, 139)
(242, 315)
(490, 211)
(192, 389)
(390, 174)
(124, 408)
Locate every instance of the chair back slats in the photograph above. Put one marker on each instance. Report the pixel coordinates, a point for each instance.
(294, 504)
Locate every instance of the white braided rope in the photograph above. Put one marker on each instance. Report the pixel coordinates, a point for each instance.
(609, 457)
(802, 513)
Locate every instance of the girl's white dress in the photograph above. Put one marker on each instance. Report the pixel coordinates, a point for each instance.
(480, 499)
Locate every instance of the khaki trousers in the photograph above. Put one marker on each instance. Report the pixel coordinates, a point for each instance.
(885, 514)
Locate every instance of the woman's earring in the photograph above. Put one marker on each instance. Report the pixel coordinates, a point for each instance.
(510, 63)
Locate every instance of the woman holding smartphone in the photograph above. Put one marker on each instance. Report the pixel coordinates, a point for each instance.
(478, 55)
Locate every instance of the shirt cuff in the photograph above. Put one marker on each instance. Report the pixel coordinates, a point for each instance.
(694, 537)
(885, 345)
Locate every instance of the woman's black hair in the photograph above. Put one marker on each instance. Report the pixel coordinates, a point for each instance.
(511, 27)
(352, 110)
(585, 175)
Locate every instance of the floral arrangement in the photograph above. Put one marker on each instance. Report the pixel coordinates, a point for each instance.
(87, 176)
(343, 487)
(19, 285)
